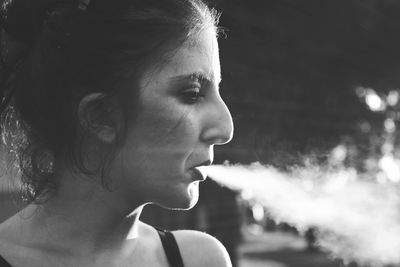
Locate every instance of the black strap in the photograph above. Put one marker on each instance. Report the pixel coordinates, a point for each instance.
(4, 263)
(171, 248)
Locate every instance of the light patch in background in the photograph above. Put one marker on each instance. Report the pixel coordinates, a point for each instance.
(389, 125)
(373, 100)
(390, 167)
(357, 220)
(393, 98)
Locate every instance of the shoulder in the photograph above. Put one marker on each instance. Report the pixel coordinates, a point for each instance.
(200, 249)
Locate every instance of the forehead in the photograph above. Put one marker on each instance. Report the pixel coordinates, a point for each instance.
(199, 55)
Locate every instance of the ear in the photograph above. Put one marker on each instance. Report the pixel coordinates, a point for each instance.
(95, 117)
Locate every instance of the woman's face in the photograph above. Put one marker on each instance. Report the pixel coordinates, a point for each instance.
(181, 117)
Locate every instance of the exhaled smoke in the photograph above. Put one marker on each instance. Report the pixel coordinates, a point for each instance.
(357, 220)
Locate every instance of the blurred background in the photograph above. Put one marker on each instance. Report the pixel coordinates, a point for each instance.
(314, 77)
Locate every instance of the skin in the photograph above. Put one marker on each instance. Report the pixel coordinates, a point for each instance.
(175, 129)
(179, 122)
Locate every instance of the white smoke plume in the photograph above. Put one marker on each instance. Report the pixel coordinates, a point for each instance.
(357, 220)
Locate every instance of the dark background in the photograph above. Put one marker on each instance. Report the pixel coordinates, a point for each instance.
(290, 69)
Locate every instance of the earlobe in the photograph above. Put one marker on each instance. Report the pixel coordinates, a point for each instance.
(106, 134)
(94, 117)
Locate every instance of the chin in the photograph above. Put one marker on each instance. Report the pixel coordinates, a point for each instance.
(193, 192)
(184, 200)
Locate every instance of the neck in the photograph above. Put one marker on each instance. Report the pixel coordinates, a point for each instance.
(85, 216)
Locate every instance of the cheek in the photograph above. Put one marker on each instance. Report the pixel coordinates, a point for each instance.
(167, 127)
(160, 140)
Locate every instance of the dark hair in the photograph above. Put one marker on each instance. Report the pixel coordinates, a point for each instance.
(56, 52)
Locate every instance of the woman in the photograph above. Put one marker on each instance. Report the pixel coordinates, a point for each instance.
(109, 106)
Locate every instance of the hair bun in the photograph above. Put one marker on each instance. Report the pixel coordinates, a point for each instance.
(23, 19)
(20, 21)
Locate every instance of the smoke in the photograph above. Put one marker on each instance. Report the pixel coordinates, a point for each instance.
(357, 219)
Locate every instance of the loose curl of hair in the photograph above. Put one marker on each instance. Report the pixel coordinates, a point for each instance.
(55, 52)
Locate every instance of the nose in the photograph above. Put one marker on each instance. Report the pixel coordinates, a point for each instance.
(218, 128)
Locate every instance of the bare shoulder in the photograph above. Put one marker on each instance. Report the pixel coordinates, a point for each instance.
(200, 249)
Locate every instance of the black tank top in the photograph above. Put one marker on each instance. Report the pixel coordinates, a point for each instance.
(169, 244)
(4, 263)
(171, 248)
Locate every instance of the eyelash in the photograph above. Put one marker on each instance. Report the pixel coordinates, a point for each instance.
(192, 95)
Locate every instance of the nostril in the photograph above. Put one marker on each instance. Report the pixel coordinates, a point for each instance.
(226, 130)
(218, 124)
(227, 136)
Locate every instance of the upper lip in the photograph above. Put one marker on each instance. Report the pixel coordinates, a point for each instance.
(204, 163)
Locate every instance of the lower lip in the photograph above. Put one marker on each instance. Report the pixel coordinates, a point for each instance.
(197, 175)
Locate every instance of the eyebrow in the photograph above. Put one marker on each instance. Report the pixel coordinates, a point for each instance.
(195, 75)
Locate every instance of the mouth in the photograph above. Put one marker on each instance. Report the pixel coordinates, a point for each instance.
(199, 172)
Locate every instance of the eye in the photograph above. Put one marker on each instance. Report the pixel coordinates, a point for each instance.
(191, 95)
